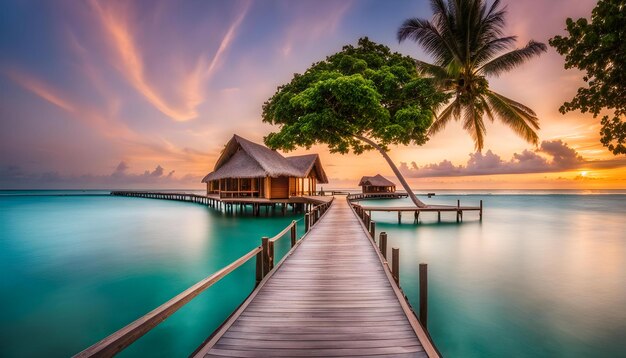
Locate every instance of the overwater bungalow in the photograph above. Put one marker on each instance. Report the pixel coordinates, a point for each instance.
(377, 184)
(250, 170)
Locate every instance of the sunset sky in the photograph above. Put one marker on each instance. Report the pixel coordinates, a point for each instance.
(144, 94)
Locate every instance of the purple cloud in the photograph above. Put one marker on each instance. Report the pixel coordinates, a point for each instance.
(12, 177)
(558, 156)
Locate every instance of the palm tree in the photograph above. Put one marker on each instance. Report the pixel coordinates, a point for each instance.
(465, 38)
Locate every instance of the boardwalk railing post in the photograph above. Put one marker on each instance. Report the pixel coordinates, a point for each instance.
(293, 234)
(458, 210)
(306, 222)
(395, 264)
(481, 210)
(265, 244)
(424, 295)
(382, 244)
(373, 230)
(259, 267)
(271, 258)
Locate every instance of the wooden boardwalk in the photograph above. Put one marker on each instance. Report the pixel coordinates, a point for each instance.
(332, 296)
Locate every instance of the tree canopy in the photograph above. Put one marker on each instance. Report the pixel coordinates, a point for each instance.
(599, 49)
(363, 91)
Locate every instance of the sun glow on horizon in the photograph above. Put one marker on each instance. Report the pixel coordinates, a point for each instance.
(137, 95)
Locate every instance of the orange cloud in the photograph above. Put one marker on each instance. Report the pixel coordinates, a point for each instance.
(106, 125)
(40, 88)
(130, 63)
(81, 113)
(226, 41)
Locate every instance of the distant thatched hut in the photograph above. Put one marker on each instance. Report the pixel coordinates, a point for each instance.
(377, 184)
(247, 169)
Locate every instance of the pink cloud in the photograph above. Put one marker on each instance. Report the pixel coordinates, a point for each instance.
(551, 156)
(120, 34)
(12, 177)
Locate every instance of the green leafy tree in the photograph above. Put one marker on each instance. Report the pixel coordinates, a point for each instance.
(361, 98)
(465, 39)
(599, 49)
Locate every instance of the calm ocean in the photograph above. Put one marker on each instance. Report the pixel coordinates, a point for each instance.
(543, 275)
(76, 268)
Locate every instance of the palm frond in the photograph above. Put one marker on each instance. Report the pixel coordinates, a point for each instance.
(491, 48)
(487, 109)
(520, 107)
(473, 123)
(439, 75)
(441, 120)
(493, 20)
(434, 71)
(517, 120)
(427, 35)
(446, 23)
(512, 59)
(439, 7)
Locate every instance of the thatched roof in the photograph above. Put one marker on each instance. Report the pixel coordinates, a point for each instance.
(242, 158)
(240, 165)
(377, 180)
(305, 163)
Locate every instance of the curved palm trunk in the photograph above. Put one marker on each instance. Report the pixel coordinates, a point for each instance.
(396, 171)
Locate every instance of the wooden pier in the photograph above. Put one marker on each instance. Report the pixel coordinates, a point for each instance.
(457, 209)
(333, 296)
(362, 196)
(297, 203)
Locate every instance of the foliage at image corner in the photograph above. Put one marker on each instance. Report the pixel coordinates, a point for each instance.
(361, 91)
(599, 48)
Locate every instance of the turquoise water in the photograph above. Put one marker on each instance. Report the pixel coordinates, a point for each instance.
(540, 276)
(77, 267)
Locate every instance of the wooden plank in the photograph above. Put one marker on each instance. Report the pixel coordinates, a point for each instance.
(322, 344)
(320, 330)
(382, 335)
(226, 351)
